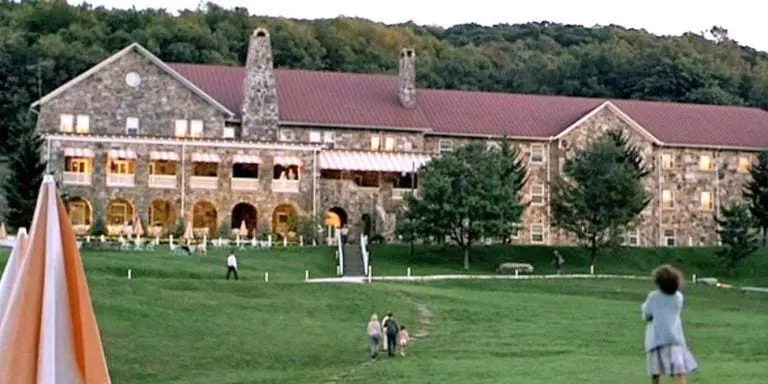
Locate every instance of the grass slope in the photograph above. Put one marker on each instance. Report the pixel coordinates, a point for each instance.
(179, 322)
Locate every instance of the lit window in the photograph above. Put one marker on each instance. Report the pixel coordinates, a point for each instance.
(537, 153)
(375, 143)
(196, 128)
(444, 145)
(705, 163)
(537, 234)
(83, 124)
(181, 128)
(667, 199)
(132, 126)
(537, 194)
(745, 164)
(315, 137)
(390, 143)
(67, 123)
(706, 201)
(669, 238)
(667, 161)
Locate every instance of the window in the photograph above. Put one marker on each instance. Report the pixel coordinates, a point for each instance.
(537, 153)
(83, 124)
(537, 234)
(196, 128)
(375, 143)
(78, 213)
(328, 137)
(631, 238)
(706, 201)
(132, 126)
(229, 133)
(315, 137)
(77, 165)
(669, 238)
(745, 164)
(120, 167)
(67, 123)
(667, 161)
(537, 194)
(181, 128)
(705, 163)
(390, 143)
(444, 145)
(667, 199)
(118, 213)
(407, 146)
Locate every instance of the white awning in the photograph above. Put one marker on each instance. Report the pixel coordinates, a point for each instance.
(122, 154)
(78, 152)
(246, 159)
(205, 158)
(287, 160)
(372, 161)
(169, 156)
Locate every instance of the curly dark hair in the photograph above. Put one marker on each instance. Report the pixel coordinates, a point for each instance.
(668, 278)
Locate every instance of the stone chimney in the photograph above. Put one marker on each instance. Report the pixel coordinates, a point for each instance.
(260, 114)
(406, 89)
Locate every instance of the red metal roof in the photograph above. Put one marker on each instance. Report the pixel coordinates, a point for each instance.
(370, 100)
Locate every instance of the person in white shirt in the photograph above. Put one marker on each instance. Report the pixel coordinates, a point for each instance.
(232, 266)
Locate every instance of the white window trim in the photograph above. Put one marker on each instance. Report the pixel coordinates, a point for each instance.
(711, 162)
(376, 139)
(667, 238)
(444, 145)
(542, 194)
(68, 121)
(671, 201)
(193, 127)
(537, 148)
(181, 123)
(82, 124)
(132, 123)
(633, 234)
(228, 133)
(315, 136)
(329, 137)
(535, 232)
(390, 140)
(671, 160)
(711, 201)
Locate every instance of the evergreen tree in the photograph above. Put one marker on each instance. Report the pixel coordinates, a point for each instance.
(25, 170)
(602, 192)
(756, 193)
(736, 229)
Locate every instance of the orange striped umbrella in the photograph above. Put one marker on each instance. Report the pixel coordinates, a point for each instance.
(48, 330)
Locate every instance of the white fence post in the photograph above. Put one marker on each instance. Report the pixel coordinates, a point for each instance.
(266, 277)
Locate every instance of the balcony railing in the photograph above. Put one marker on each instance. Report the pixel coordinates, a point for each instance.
(76, 178)
(203, 182)
(285, 186)
(398, 193)
(121, 180)
(163, 181)
(245, 184)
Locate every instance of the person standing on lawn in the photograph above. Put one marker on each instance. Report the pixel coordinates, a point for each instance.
(391, 329)
(374, 333)
(232, 265)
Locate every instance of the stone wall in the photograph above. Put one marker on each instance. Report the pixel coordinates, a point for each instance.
(359, 139)
(158, 101)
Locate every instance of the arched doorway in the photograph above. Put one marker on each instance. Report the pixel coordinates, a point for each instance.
(204, 216)
(244, 212)
(162, 216)
(282, 220)
(367, 224)
(336, 217)
(80, 214)
(119, 215)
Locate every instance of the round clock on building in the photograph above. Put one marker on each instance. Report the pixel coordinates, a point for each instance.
(133, 79)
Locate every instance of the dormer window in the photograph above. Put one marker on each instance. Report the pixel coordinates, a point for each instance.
(132, 126)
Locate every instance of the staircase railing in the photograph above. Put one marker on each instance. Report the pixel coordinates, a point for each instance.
(364, 251)
(340, 251)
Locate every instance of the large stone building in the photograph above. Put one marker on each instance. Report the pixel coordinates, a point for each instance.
(218, 145)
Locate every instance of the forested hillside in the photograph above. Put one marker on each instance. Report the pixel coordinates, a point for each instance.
(43, 44)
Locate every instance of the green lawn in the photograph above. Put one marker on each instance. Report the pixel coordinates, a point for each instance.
(178, 321)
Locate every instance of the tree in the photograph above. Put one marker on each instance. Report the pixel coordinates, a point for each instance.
(736, 228)
(756, 193)
(470, 193)
(25, 170)
(601, 193)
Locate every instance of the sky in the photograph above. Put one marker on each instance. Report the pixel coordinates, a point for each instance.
(742, 18)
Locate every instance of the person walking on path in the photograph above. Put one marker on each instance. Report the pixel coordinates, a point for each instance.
(558, 262)
(374, 333)
(391, 329)
(232, 265)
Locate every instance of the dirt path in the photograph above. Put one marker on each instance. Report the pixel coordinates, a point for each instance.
(425, 325)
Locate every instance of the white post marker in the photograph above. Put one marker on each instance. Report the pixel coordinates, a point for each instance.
(408, 272)
(301, 241)
(517, 273)
(266, 277)
(129, 274)
(306, 274)
(338, 270)
(592, 269)
(269, 241)
(285, 241)
(370, 270)
(88, 239)
(694, 278)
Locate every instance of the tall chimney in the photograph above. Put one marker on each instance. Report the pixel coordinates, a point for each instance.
(260, 114)
(407, 84)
